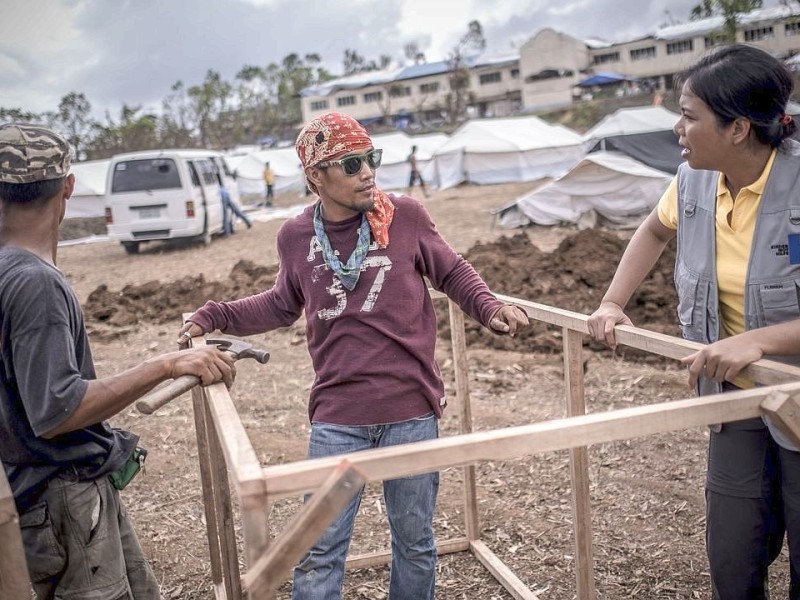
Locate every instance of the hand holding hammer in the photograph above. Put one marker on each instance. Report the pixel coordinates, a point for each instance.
(158, 398)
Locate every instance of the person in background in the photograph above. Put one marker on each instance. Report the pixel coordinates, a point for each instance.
(415, 175)
(355, 262)
(64, 463)
(269, 182)
(230, 210)
(732, 207)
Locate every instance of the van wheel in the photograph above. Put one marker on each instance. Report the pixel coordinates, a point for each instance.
(131, 247)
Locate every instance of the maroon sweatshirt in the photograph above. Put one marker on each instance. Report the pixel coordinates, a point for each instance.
(372, 348)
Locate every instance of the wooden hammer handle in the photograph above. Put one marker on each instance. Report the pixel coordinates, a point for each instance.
(151, 402)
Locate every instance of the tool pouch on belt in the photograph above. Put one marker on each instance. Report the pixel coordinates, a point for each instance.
(125, 474)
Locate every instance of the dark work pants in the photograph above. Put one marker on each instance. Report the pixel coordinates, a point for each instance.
(752, 499)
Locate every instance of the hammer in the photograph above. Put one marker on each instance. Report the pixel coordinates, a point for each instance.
(158, 398)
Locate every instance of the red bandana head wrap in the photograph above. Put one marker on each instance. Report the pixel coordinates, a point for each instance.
(331, 136)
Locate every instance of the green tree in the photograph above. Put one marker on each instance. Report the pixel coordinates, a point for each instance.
(176, 124)
(355, 63)
(458, 97)
(210, 103)
(289, 79)
(18, 115)
(730, 10)
(133, 132)
(73, 118)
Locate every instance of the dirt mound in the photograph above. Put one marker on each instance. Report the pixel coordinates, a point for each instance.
(573, 277)
(111, 314)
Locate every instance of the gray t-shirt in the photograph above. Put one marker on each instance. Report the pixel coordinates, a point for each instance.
(45, 365)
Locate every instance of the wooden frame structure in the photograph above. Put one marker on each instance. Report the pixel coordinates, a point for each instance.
(226, 456)
(14, 582)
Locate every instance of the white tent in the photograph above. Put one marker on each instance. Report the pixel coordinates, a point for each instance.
(610, 185)
(487, 151)
(90, 189)
(644, 133)
(395, 170)
(250, 170)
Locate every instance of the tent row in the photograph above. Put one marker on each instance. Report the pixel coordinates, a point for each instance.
(635, 148)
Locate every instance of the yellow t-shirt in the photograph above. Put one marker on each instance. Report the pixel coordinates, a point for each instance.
(735, 224)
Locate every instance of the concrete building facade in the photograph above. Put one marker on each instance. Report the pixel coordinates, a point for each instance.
(545, 73)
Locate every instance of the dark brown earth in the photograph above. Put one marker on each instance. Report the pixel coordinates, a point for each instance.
(647, 493)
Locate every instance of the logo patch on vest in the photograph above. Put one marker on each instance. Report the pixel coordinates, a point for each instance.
(794, 248)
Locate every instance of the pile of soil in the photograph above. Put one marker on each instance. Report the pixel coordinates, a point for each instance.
(574, 277)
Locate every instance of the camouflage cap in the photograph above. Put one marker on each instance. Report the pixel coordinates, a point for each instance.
(31, 153)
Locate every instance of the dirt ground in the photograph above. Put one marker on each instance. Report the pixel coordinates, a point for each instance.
(647, 494)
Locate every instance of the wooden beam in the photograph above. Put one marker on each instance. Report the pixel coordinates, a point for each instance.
(501, 572)
(384, 557)
(461, 368)
(14, 581)
(309, 524)
(766, 372)
(579, 468)
(784, 410)
(559, 434)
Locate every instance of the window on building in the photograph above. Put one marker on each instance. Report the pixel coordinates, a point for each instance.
(792, 28)
(514, 73)
(549, 74)
(487, 78)
(373, 96)
(319, 105)
(399, 91)
(759, 33)
(429, 88)
(714, 39)
(608, 57)
(643, 53)
(680, 47)
(346, 101)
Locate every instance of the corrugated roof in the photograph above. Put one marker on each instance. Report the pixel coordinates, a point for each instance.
(711, 24)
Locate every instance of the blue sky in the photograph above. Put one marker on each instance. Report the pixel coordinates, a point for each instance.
(132, 51)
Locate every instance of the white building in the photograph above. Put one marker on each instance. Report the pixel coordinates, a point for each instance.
(545, 73)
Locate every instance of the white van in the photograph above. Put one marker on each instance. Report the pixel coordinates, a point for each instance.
(164, 194)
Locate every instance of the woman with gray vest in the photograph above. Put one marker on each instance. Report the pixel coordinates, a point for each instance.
(735, 208)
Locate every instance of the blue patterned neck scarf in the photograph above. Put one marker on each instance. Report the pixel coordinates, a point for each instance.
(348, 273)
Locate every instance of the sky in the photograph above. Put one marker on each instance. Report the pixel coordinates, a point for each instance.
(131, 51)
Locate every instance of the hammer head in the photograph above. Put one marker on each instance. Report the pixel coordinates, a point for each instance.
(240, 349)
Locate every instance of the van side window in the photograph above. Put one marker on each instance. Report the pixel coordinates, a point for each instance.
(143, 175)
(193, 173)
(209, 171)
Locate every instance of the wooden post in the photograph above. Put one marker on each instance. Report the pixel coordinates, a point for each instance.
(14, 582)
(461, 367)
(324, 507)
(579, 467)
(785, 413)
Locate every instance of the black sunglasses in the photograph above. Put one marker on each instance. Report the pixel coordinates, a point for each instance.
(351, 165)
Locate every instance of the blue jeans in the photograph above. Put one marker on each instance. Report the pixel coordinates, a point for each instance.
(410, 503)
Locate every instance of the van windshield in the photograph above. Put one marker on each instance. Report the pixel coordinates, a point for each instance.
(148, 174)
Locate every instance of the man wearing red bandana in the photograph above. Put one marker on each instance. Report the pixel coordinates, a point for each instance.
(356, 262)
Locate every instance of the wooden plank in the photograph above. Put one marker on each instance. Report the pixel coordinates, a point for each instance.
(766, 372)
(461, 368)
(14, 581)
(502, 573)
(384, 557)
(558, 434)
(213, 533)
(579, 468)
(309, 524)
(785, 412)
(224, 513)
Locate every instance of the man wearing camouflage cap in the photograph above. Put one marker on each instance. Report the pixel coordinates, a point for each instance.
(63, 461)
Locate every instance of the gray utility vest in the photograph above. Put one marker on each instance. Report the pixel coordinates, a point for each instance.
(773, 271)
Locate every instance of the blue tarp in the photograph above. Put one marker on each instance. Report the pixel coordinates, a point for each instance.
(604, 79)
